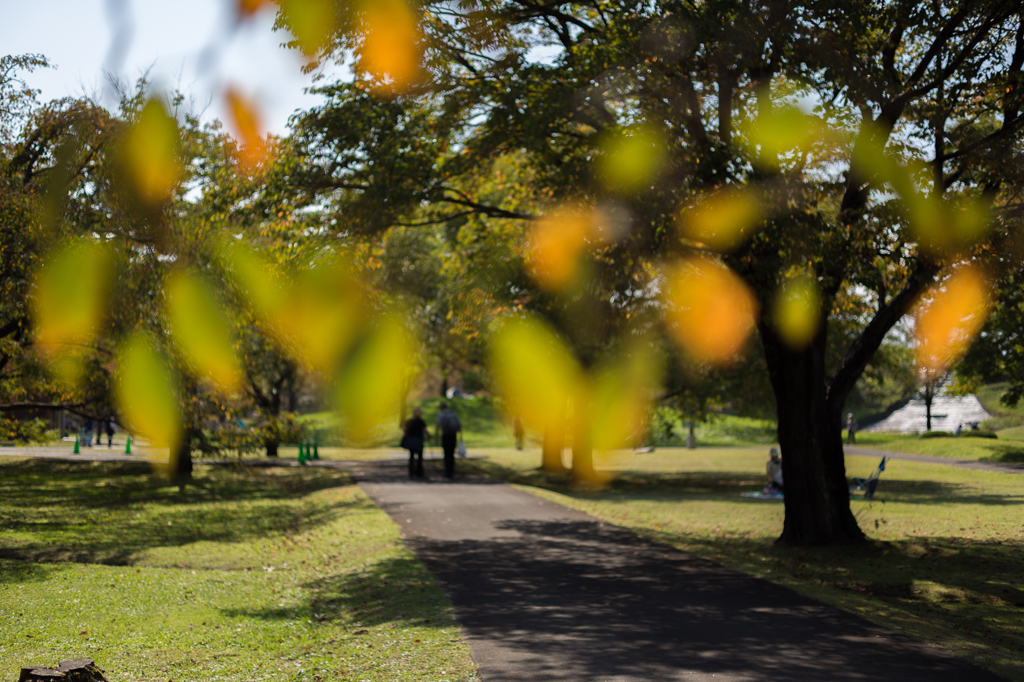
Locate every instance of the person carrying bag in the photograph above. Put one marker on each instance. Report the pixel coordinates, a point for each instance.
(448, 429)
(413, 440)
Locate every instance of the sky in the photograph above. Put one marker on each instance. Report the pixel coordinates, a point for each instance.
(170, 39)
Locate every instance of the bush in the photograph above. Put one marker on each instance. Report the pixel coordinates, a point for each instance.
(26, 431)
(980, 433)
(938, 434)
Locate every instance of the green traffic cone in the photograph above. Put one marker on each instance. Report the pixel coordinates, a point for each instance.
(302, 453)
(128, 445)
(78, 450)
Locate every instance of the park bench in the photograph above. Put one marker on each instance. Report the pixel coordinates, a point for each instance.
(868, 485)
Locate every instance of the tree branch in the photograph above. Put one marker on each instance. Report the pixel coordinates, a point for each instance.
(863, 348)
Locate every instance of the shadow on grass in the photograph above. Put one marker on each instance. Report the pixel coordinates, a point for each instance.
(108, 512)
(728, 486)
(1005, 453)
(15, 572)
(398, 590)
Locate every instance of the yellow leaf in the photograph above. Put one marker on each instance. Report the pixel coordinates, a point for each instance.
(949, 317)
(374, 376)
(632, 161)
(323, 313)
(623, 391)
(533, 370)
(150, 150)
(255, 274)
(391, 43)
(723, 219)
(200, 330)
(785, 129)
(315, 316)
(709, 309)
(797, 311)
(69, 301)
(147, 395)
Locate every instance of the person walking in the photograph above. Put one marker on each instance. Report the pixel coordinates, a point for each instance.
(87, 432)
(448, 428)
(110, 432)
(851, 429)
(519, 430)
(415, 436)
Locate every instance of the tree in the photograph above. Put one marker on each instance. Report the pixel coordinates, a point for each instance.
(48, 162)
(657, 106)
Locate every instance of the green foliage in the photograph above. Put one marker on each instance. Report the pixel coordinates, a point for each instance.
(25, 431)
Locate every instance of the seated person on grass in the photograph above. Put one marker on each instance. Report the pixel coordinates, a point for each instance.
(774, 471)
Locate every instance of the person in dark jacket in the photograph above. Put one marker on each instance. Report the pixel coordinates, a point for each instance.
(448, 428)
(415, 436)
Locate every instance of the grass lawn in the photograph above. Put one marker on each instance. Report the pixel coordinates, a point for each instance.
(943, 564)
(1009, 447)
(269, 574)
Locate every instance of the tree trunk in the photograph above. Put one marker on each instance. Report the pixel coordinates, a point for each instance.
(181, 465)
(554, 443)
(271, 444)
(929, 394)
(582, 446)
(691, 438)
(817, 496)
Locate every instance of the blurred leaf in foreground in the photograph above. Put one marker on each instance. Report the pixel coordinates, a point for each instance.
(780, 130)
(633, 160)
(150, 152)
(70, 302)
(534, 372)
(245, 121)
(146, 392)
(391, 43)
(556, 243)
(246, 8)
(623, 392)
(201, 330)
(315, 316)
(312, 22)
(373, 378)
(796, 310)
(710, 310)
(723, 219)
(950, 316)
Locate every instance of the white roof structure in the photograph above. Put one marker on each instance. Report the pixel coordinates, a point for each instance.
(947, 413)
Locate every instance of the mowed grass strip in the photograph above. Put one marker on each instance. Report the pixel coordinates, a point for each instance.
(266, 574)
(1009, 447)
(943, 564)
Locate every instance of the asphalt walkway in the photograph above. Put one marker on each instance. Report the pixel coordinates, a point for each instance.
(546, 593)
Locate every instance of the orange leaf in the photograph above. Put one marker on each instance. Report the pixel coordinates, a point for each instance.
(709, 308)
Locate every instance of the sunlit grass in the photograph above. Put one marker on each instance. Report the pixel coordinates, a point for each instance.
(1007, 448)
(268, 574)
(942, 566)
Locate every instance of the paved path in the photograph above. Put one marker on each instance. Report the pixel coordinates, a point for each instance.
(94, 454)
(545, 593)
(1001, 467)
